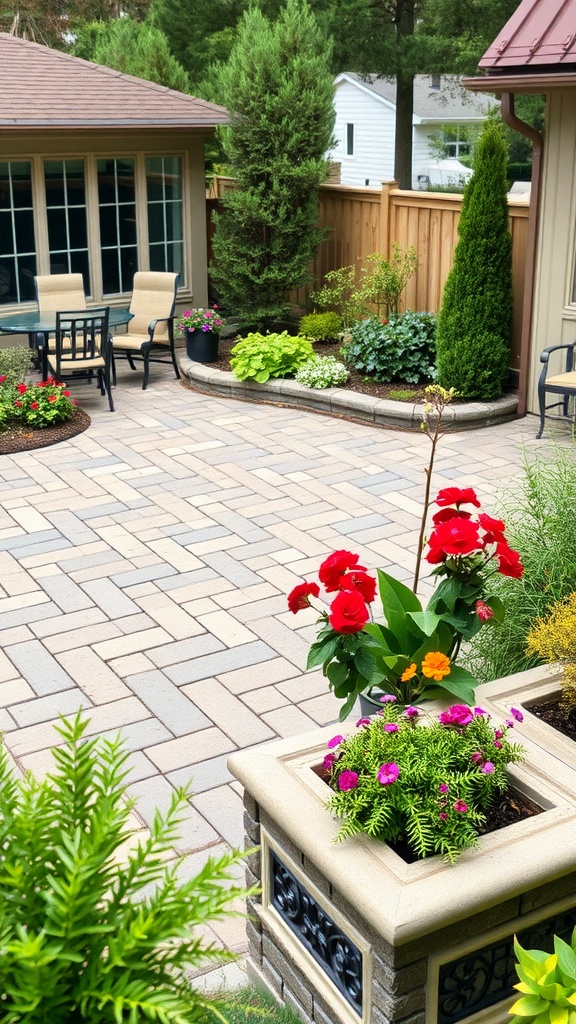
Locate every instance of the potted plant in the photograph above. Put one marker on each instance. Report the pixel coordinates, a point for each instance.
(201, 329)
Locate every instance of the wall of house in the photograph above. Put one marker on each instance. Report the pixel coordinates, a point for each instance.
(373, 121)
(37, 145)
(554, 309)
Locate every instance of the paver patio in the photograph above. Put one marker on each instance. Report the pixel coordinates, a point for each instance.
(144, 567)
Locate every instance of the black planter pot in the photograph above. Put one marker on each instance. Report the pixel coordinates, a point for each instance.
(202, 346)
(369, 705)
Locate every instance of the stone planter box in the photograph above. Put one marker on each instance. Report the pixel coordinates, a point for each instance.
(350, 932)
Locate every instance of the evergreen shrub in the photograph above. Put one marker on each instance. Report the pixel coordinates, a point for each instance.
(321, 326)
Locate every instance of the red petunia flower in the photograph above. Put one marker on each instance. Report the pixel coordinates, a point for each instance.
(449, 513)
(335, 566)
(494, 528)
(457, 496)
(348, 612)
(456, 536)
(509, 563)
(298, 598)
(34, 405)
(360, 582)
(22, 389)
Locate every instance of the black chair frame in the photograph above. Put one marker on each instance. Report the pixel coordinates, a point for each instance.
(145, 352)
(567, 391)
(82, 335)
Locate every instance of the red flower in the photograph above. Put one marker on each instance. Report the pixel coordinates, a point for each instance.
(494, 528)
(348, 612)
(34, 405)
(457, 496)
(456, 536)
(18, 404)
(52, 398)
(66, 393)
(509, 563)
(298, 598)
(360, 582)
(22, 389)
(335, 566)
(448, 513)
(2, 378)
(483, 611)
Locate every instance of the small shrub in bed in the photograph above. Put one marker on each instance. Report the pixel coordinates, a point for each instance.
(401, 348)
(261, 356)
(322, 372)
(321, 326)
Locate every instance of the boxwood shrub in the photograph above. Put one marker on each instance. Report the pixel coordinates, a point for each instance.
(401, 348)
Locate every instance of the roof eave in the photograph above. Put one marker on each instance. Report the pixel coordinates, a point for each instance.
(111, 126)
(510, 81)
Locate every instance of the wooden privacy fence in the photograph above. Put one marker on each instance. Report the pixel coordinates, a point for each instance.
(360, 221)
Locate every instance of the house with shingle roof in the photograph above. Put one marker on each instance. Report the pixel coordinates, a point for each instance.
(535, 52)
(366, 123)
(100, 173)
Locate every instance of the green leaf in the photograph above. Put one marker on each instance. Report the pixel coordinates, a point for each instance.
(427, 621)
(566, 957)
(337, 673)
(558, 1015)
(528, 1006)
(446, 594)
(497, 607)
(364, 663)
(323, 650)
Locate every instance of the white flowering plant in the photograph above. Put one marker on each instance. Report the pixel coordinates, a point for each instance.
(322, 372)
(200, 320)
(426, 782)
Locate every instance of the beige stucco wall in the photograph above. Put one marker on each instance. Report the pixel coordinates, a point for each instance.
(554, 313)
(36, 145)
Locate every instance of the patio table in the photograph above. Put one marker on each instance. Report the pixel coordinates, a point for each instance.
(40, 325)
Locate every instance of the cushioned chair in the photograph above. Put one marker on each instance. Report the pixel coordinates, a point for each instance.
(83, 347)
(151, 328)
(60, 291)
(563, 384)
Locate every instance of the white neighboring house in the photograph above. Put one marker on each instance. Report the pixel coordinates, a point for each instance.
(365, 126)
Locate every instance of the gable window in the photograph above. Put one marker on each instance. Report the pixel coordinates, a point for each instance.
(165, 220)
(17, 241)
(455, 142)
(349, 140)
(66, 214)
(117, 211)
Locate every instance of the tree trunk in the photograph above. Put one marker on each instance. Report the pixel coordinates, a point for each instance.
(404, 98)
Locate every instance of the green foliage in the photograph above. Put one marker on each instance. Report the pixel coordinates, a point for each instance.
(249, 1005)
(547, 983)
(36, 405)
(339, 293)
(401, 348)
(136, 48)
(553, 638)
(384, 280)
(402, 778)
(278, 88)
(14, 364)
(519, 171)
(322, 372)
(539, 509)
(475, 321)
(88, 931)
(321, 326)
(261, 356)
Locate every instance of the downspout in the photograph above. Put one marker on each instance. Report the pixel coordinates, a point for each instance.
(508, 115)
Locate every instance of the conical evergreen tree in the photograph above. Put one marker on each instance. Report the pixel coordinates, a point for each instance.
(278, 88)
(475, 322)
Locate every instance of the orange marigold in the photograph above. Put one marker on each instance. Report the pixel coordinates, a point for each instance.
(408, 673)
(435, 666)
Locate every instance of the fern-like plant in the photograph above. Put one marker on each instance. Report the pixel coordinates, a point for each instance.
(87, 934)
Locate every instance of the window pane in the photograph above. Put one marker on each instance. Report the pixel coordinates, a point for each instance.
(165, 220)
(127, 225)
(66, 214)
(118, 235)
(129, 266)
(79, 265)
(17, 242)
(110, 272)
(108, 227)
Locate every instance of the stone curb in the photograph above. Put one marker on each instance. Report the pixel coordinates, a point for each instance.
(382, 412)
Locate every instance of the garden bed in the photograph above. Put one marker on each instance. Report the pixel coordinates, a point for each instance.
(23, 438)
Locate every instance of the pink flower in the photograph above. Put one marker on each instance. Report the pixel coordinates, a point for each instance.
(484, 611)
(487, 768)
(461, 807)
(476, 756)
(387, 698)
(479, 711)
(388, 773)
(517, 714)
(362, 721)
(390, 727)
(443, 787)
(329, 762)
(497, 744)
(334, 742)
(2, 378)
(411, 712)
(347, 780)
(498, 734)
(442, 815)
(457, 714)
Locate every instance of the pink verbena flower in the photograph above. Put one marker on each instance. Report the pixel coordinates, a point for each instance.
(334, 742)
(347, 780)
(388, 773)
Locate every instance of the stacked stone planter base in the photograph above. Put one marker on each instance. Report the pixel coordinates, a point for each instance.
(350, 932)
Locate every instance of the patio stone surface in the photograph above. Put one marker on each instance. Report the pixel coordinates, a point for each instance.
(144, 567)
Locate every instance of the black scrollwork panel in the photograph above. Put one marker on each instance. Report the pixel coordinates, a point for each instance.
(488, 975)
(340, 959)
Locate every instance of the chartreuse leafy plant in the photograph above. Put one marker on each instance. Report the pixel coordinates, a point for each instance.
(90, 932)
(321, 326)
(261, 356)
(403, 776)
(547, 983)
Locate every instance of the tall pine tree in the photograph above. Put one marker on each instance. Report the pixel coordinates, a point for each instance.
(278, 88)
(475, 321)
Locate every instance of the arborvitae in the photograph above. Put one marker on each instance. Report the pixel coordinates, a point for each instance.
(475, 322)
(277, 86)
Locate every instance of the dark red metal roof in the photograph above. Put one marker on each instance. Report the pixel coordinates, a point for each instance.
(540, 36)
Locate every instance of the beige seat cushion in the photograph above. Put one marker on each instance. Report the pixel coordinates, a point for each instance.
(566, 380)
(134, 342)
(77, 365)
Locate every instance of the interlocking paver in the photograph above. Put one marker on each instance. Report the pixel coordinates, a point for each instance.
(161, 544)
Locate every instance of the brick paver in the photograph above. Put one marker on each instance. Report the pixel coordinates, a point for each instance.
(144, 567)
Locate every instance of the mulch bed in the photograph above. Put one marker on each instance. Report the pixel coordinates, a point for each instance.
(356, 381)
(551, 712)
(24, 438)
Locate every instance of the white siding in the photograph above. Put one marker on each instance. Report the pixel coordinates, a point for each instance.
(373, 160)
(421, 150)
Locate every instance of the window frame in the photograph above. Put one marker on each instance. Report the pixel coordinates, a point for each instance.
(350, 138)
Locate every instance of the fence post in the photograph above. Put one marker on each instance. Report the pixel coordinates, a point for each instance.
(384, 233)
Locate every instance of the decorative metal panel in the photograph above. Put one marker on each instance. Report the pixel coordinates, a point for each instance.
(487, 975)
(336, 954)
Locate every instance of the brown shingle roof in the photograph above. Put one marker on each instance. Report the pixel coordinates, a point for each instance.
(540, 36)
(44, 88)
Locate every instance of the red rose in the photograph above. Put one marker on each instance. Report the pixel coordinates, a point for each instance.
(494, 528)
(298, 598)
(448, 513)
(509, 563)
(360, 582)
(456, 536)
(34, 405)
(348, 612)
(22, 389)
(335, 566)
(457, 496)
